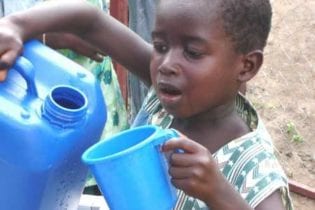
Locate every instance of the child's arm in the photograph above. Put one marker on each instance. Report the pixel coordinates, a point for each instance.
(197, 174)
(59, 40)
(82, 19)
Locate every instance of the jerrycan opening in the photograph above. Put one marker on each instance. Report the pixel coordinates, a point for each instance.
(65, 106)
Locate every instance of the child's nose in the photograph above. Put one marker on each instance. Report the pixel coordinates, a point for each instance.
(170, 63)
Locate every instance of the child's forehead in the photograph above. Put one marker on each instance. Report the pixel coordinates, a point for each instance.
(186, 9)
(188, 21)
(188, 6)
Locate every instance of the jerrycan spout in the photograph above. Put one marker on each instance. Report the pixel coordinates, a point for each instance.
(65, 106)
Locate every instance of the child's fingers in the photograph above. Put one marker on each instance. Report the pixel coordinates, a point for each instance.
(181, 159)
(6, 61)
(185, 144)
(182, 184)
(4, 65)
(180, 172)
(8, 58)
(3, 75)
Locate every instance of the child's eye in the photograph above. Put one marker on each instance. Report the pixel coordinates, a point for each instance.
(194, 54)
(160, 47)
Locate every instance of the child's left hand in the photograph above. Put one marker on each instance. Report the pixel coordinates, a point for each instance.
(194, 171)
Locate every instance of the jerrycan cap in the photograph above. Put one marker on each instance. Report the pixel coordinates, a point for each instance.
(65, 106)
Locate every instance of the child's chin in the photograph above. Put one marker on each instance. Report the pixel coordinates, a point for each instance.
(174, 111)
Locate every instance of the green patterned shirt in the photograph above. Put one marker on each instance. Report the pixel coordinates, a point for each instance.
(248, 162)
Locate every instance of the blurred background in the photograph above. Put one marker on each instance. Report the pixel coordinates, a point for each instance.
(284, 91)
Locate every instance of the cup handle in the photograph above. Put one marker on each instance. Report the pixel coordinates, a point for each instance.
(26, 69)
(166, 134)
(163, 135)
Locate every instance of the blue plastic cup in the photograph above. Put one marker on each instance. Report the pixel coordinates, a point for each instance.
(131, 171)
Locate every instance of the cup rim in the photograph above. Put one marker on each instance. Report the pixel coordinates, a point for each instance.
(91, 161)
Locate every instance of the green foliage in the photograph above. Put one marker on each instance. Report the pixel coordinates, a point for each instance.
(293, 133)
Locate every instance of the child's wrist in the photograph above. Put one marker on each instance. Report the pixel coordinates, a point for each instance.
(16, 23)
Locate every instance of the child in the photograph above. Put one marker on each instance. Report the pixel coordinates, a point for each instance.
(202, 52)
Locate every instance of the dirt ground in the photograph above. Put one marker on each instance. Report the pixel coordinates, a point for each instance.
(284, 91)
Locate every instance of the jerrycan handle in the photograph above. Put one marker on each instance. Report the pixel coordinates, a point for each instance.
(26, 69)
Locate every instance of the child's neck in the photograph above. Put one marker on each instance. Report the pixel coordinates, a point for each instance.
(215, 128)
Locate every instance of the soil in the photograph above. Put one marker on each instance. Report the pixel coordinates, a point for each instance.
(284, 91)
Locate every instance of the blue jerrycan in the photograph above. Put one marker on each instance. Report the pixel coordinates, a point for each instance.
(51, 111)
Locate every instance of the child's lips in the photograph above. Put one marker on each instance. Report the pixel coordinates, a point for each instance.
(169, 93)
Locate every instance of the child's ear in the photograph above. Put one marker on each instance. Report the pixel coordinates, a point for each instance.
(251, 65)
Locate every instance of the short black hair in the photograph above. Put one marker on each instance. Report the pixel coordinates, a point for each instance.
(246, 22)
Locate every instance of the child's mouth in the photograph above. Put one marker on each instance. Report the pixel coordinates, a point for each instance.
(169, 94)
(167, 89)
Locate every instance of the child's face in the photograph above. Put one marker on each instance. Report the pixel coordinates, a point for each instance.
(193, 63)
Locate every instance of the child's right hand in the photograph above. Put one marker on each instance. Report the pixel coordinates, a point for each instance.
(194, 171)
(11, 45)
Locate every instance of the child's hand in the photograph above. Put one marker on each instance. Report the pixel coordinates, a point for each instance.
(194, 171)
(11, 45)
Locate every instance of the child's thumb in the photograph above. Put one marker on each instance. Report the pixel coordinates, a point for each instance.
(3, 75)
